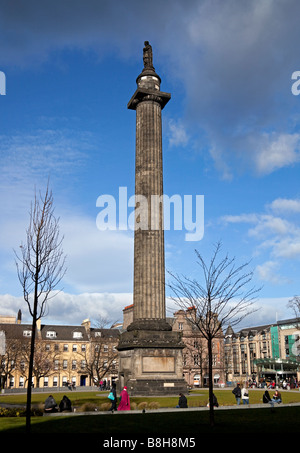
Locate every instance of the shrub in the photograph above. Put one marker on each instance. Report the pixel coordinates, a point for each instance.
(18, 412)
(142, 405)
(105, 406)
(88, 407)
(154, 405)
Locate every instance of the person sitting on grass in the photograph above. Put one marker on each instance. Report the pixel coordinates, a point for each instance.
(65, 404)
(266, 397)
(50, 404)
(276, 398)
(182, 402)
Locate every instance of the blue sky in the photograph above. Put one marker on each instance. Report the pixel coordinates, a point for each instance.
(230, 133)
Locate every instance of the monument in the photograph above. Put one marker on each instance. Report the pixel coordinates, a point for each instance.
(150, 353)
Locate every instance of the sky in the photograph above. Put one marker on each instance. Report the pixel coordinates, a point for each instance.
(230, 134)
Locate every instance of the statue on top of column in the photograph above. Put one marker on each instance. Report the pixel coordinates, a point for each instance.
(148, 56)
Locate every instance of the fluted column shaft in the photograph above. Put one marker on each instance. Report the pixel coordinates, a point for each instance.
(149, 259)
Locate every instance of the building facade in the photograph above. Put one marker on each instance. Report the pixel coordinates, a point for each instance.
(86, 356)
(263, 353)
(64, 355)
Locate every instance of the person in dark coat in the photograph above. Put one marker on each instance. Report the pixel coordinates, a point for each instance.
(50, 404)
(65, 404)
(182, 402)
(215, 401)
(237, 393)
(266, 397)
(113, 406)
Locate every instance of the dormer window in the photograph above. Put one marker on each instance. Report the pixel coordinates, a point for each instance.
(26, 333)
(77, 334)
(51, 334)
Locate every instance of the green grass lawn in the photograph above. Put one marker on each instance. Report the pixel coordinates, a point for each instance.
(196, 398)
(281, 419)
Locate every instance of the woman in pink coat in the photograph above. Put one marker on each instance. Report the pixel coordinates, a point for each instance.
(125, 401)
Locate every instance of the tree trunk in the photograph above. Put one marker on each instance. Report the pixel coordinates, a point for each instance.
(210, 383)
(31, 359)
(29, 384)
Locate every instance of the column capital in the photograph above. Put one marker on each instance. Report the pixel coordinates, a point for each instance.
(141, 95)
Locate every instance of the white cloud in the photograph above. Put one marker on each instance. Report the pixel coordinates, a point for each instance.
(277, 238)
(242, 218)
(96, 260)
(270, 311)
(277, 151)
(268, 272)
(268, 224)
(285, 206)
(288, 248)
(177, 133)
(72, 309)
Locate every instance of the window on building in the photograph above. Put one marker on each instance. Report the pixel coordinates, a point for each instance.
(26, 333)
(77, 334)
(51, 334)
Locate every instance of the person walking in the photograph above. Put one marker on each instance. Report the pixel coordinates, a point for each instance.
(113, 406)
(245, 395)
(215, 401)
(237, 393)
(125, 401)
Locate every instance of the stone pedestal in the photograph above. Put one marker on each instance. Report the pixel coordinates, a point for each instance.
(150, 363)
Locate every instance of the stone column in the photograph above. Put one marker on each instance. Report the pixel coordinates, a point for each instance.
(150, 353)
(149, 259)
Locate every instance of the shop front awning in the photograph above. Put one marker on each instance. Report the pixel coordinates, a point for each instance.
(277, 365)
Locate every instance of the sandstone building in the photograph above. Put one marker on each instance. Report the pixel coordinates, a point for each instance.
(64, 355)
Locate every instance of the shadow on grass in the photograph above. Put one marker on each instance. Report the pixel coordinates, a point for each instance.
(281, 420)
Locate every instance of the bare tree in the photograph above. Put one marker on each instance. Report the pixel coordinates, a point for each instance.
(10, 360)
(219, 298)
(294, 304)
(44, 359)
(40, 267)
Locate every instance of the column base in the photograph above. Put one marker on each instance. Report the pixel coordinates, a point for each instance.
(151, 363)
